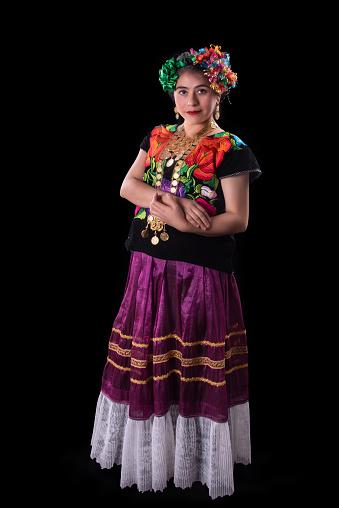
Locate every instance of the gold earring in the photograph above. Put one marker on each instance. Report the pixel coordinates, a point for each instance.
(217, 112)
(176, 113)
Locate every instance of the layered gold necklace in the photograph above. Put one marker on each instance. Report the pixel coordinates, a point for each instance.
(176, 150)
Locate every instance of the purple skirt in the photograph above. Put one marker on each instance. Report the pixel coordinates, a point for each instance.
(178, 339)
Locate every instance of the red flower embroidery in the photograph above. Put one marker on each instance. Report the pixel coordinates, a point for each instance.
(204, 158)
(208, 155)
(159, 136)
(219, 145)
(208, 207)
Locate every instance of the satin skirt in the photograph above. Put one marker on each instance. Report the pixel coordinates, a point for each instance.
(177, 357)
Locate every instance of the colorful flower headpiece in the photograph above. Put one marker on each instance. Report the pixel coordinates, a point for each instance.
(214, 64)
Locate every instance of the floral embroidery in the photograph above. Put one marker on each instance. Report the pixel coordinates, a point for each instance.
(198, 179)
(206, 191)
(204, 159)
(210, 209)
(160, 135)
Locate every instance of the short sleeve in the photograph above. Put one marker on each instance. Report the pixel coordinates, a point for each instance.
(146, 142)
(236, 162)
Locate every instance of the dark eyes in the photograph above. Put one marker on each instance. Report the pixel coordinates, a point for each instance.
(201, 91)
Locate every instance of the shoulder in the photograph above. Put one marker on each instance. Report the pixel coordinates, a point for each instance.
(235, 157)
(227, 138)
(222, 144)
(161, 133)
(164, 129)
(156, 136)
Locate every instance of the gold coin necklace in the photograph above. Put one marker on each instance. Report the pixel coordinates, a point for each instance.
(176, 150)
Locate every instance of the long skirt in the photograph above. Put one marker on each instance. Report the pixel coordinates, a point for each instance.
(174, 393)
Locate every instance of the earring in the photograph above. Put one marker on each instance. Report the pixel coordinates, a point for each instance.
(176, 113)
(217, 112)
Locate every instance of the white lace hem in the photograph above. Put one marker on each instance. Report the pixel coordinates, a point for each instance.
(189, 449)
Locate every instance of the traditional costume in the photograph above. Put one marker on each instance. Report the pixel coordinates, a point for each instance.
(174, 395)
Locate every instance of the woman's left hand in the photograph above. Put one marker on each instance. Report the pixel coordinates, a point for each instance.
(165, 208)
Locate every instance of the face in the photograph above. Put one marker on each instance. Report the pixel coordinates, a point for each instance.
(194, 98)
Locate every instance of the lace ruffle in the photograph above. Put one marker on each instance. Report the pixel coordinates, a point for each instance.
(189, 449)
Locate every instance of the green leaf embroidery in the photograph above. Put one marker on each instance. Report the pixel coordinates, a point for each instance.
(171, 128)
(184, 179)
(234, 145)
(152, 163)
(141, 214)
(221, 134)
(184, 169)
(191, 169)
(187, 187)
(198, 188)
(210, 183)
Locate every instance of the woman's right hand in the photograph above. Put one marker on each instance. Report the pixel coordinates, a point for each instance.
(195, 214)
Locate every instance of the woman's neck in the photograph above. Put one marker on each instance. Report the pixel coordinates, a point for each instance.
(193, 129)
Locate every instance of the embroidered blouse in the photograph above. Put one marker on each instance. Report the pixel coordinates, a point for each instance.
(215, 157)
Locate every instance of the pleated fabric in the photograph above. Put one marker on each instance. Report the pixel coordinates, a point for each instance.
(174, 393)
(187, 449)
(178, 338)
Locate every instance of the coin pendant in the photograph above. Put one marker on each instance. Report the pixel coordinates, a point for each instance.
(169, 162)
(164, 236)
(144, 233)
(155, 240)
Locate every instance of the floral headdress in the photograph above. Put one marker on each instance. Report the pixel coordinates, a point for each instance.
(214, 64)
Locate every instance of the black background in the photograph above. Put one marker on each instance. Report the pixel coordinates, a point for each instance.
(105, 97)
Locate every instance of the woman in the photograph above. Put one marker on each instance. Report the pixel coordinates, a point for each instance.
(174, 396)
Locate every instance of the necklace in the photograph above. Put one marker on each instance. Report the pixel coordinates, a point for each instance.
(176, 150)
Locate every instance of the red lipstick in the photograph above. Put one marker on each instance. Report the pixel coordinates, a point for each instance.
(193, 112)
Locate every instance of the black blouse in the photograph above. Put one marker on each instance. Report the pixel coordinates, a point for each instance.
(216, 157)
